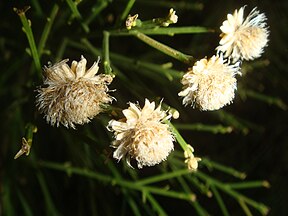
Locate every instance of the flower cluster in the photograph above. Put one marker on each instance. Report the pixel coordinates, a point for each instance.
(243, 39)
(211, 84)
(142, 135)
(75, 95)
(72, 95)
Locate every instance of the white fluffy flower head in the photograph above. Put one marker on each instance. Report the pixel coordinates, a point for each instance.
(72, 95)
(210, 84)
(142, 135)
(244, 39)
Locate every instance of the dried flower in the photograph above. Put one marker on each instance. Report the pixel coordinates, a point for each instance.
(244, 39)
(210, 84)
(172, 18)
(131, 21)
(142, 135)
(191, 160)
(72, 95)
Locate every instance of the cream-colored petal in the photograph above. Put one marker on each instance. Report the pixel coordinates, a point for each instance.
(93, 69)
(120, 152)
(68, 73)
(226, 27)
(118, 126)
(74, 66)
(130, 115)
(148, 108)
(230, 19)
(135, 109)
(81, 67)
(240, 16)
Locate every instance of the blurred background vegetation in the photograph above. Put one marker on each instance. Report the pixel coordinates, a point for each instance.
(71, 172)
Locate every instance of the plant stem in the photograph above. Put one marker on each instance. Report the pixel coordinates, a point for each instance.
(245, 208)
(156, 205)
(271, 100)
(225, 169)
(163, 177)
(246, 185)
(173, 4)
(225, 188)
(47, 29)
(107, 67)
(36, 6)
(125, 61)
(117, 181)
(90, 47)
(50, 207)
(126, 11)
(28, 31)
(27, 210)
(126, 193)
(164, 48)
(61, 49)
(220, 201)
(178, 137)
(99, 6)
(199, 209)
(203, 127)
(171, 31)
(73, 7)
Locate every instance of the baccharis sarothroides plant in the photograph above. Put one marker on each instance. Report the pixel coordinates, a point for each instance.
(72, 95)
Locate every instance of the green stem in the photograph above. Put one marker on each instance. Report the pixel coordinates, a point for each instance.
(73, 7)
(156, 205)
(178, 137)
(191, 178)
(129, 199)
(225, 188)
(163, 177)
(133, 63)
(185, 5)
(36, 6)
(90, 47)
(27, 210)
(72, 170)
(203, 188)
(163, 192)
(171, 31)
(47, 29)
(107, 67)
(266, 99)
(99, 6)
(50, 207)
(198, 208)
(220, 201)
(164, 48)
(245, 208)
(28, 31)
(126, 11)
(120, 182)
(61, 49)
(203, 127)
(246, 185)
(225, 169)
